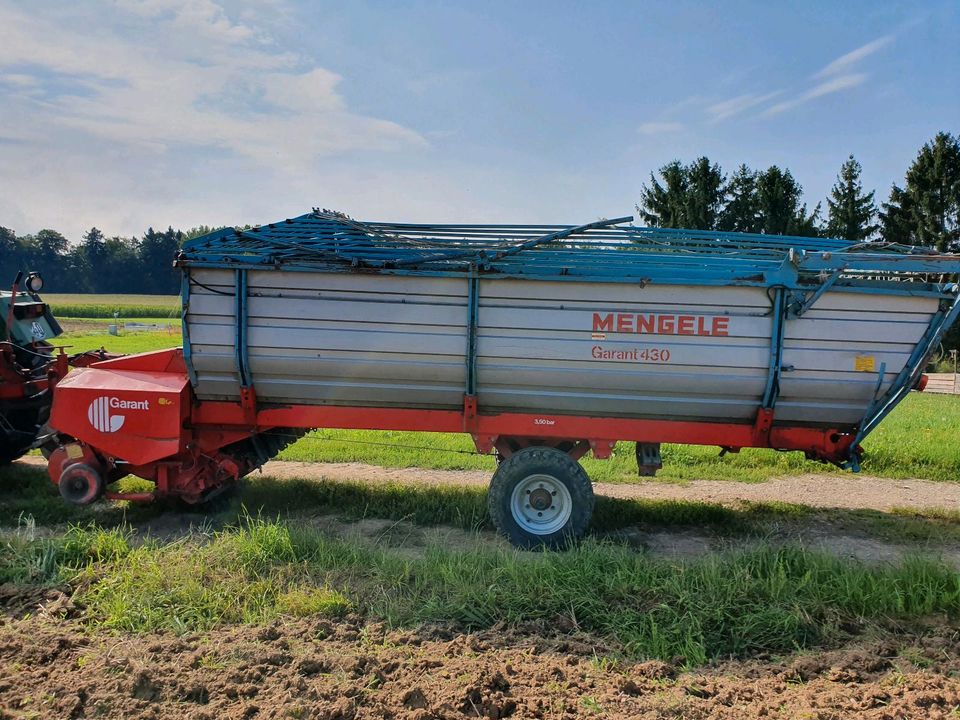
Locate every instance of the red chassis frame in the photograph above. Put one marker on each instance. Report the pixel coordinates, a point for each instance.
(179, 445)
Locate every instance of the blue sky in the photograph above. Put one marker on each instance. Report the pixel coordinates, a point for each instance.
(132, 113)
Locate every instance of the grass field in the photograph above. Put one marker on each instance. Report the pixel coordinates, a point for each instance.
(67, 305)
(246, 565)
(126, 343)
(738, 603)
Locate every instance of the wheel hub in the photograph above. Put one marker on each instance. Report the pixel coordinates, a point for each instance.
(540, 499)
(541, 504)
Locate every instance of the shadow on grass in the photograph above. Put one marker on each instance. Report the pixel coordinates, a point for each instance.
(27, 495)
(466, 507)
(25, 492)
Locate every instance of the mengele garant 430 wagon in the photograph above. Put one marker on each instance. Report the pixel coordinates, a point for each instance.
(542, 342)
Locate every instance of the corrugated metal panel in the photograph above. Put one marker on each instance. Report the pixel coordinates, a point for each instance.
(327, 338)
(536, 350)
(400, 341)
(836, 352)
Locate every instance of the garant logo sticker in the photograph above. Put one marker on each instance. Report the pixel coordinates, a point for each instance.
(102, 416)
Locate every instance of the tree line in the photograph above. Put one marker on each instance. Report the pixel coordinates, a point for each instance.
(923, 210)
(98, 264)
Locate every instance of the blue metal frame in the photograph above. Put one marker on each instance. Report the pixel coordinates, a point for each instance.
(185, 327)
(776, 351)
(603, 251)
(241, 354)
(908, 377)
(473, 314)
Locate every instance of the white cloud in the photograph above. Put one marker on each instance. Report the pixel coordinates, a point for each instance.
(842, 82)
(659, 128)
(735, 106)
(136, 98)
(835, 77)
(844, 63)
(204, 16)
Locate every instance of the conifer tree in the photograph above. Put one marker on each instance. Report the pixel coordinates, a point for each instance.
(850, 211)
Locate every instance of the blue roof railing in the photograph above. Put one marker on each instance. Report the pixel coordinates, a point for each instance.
(603, 250)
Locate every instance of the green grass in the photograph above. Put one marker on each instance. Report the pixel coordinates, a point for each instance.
(104, 306)
(768, 599)
(26, 495)
(99, 324)
(127, 343)
(764, 600)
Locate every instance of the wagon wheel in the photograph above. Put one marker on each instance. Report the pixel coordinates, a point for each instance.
(541, 498)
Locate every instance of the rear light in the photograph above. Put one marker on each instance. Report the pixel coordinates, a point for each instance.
(922, 383)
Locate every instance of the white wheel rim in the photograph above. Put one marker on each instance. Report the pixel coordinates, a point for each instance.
(541, 504)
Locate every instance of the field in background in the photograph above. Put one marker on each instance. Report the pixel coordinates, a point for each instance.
(85, 319)
(67, 305)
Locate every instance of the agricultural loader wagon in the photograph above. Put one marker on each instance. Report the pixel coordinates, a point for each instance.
(544, 343)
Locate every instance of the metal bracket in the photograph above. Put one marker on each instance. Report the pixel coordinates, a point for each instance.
(803, 303)
(762, 426)
(248, 401)
(774, 368)
(469, 413)
(648, 459)
(248, 397)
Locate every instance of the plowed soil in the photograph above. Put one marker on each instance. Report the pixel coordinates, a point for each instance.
(351, 670)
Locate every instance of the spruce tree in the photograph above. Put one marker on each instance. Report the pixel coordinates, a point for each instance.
(664, 204)
(850, 211)
(780, 210)
(742, 211)
(926, 211)
(685, 196)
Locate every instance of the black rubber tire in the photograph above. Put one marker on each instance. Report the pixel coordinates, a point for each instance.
(10, 453)
(16, 442)
(547, 461)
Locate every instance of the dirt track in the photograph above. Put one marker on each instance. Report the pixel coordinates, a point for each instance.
(825, 491)
(848, 491)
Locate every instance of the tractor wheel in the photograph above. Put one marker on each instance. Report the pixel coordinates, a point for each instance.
(541, 498)
(18, 430)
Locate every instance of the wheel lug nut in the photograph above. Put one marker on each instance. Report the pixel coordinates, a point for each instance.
(539, 514)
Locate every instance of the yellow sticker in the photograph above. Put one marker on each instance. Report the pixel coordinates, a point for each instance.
(164, 401)
(864, 363)
(74, 451)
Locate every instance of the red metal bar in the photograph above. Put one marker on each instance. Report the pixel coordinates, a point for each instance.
(827, 443)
